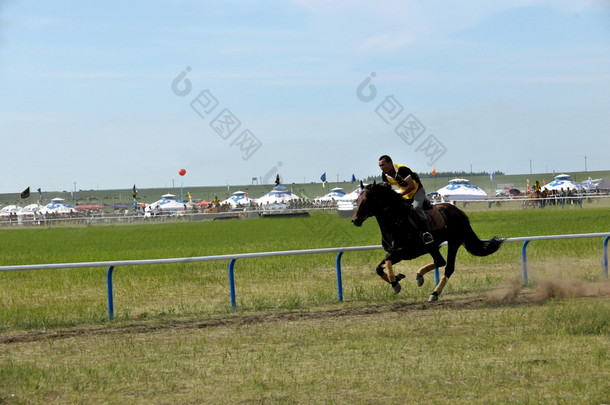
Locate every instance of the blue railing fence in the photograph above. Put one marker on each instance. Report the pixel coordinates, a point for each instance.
(232, 258)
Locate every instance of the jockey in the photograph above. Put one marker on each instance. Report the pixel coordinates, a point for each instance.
(537, 189)
(411, 188)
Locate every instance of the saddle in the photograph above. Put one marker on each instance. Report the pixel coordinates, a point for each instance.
(436, 219)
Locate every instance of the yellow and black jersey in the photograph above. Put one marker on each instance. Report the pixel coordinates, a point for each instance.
(402, 174)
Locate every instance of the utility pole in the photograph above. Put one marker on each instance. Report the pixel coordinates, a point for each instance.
(585, 163)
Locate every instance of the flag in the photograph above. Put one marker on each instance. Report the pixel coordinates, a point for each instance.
(353, 178)
(433, 172)
(323, 178)
(527, 183)
(134, 191)
(590, 183)
(277, 179)
(25, 193)
(491, 176)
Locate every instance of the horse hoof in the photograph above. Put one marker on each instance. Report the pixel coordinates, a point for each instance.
(420, 280)
(396, 287)
(400, 276)
(433, 298)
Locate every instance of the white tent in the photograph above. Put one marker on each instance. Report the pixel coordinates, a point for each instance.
(10, 210)
(279, 195)
(563, 181)
(351, 197)
(30, 210)
(57, 206)
(461, 190)
(167, 203)
(334, 195)
(239, 198)
(347, 203)
(596, 184)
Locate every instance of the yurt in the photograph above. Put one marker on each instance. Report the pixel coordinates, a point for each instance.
(167, 204)
(563, 181)
(279, 195)
(461, 190)
(57, 206)
(30, 210)
(238, 199)
(10, 210)
(334, 195)
(353, 196)
(593, 185)
(347, 203)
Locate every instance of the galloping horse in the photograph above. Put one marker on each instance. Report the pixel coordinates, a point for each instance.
(401, 239)
(534, 199)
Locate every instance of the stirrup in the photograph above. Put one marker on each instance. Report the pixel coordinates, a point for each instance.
(427, 238)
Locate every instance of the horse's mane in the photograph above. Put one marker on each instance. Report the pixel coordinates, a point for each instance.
(384, 191)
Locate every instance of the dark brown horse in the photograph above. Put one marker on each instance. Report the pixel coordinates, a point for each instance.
(401, 239)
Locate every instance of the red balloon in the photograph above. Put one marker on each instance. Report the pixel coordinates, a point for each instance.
(181, 172)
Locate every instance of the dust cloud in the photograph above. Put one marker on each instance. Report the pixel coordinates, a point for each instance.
(546, 289)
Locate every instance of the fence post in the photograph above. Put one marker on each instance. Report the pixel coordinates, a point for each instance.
(232, 282)
(110, 299)
(524, 260)
(339, 279)
(605, 248)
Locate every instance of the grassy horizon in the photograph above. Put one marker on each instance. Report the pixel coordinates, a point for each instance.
(308, 190)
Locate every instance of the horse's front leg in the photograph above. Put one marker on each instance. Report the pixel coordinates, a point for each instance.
(386, 272)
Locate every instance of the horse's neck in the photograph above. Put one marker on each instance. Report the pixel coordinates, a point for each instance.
(390, 218)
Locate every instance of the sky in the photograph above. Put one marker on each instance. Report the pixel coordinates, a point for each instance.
(105, 95)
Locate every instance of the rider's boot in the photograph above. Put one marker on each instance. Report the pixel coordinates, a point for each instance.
(426, 236)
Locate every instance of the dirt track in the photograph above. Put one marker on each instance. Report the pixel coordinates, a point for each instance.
(511, 294)
(149, 326)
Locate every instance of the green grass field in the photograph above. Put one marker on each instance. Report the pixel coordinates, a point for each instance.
(175, 338)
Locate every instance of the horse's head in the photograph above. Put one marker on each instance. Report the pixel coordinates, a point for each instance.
(368, 203)
(364, 207)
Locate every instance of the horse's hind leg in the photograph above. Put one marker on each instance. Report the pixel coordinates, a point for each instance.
(419, 277)
(449, 269)
(439, 262)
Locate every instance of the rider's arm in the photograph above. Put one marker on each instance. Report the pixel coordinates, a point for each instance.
(410, 186)
(405, 173)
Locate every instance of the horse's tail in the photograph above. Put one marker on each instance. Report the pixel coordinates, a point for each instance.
(478, 247)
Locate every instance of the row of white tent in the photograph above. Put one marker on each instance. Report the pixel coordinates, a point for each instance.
(462, 190)
(56, 206)
(278, 196)
(457, 189)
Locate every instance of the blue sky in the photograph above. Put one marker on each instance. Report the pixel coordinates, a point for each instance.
(90, 93)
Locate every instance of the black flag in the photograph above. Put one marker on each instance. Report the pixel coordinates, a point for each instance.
(134, 192)
(277, 180)
(25, 193)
